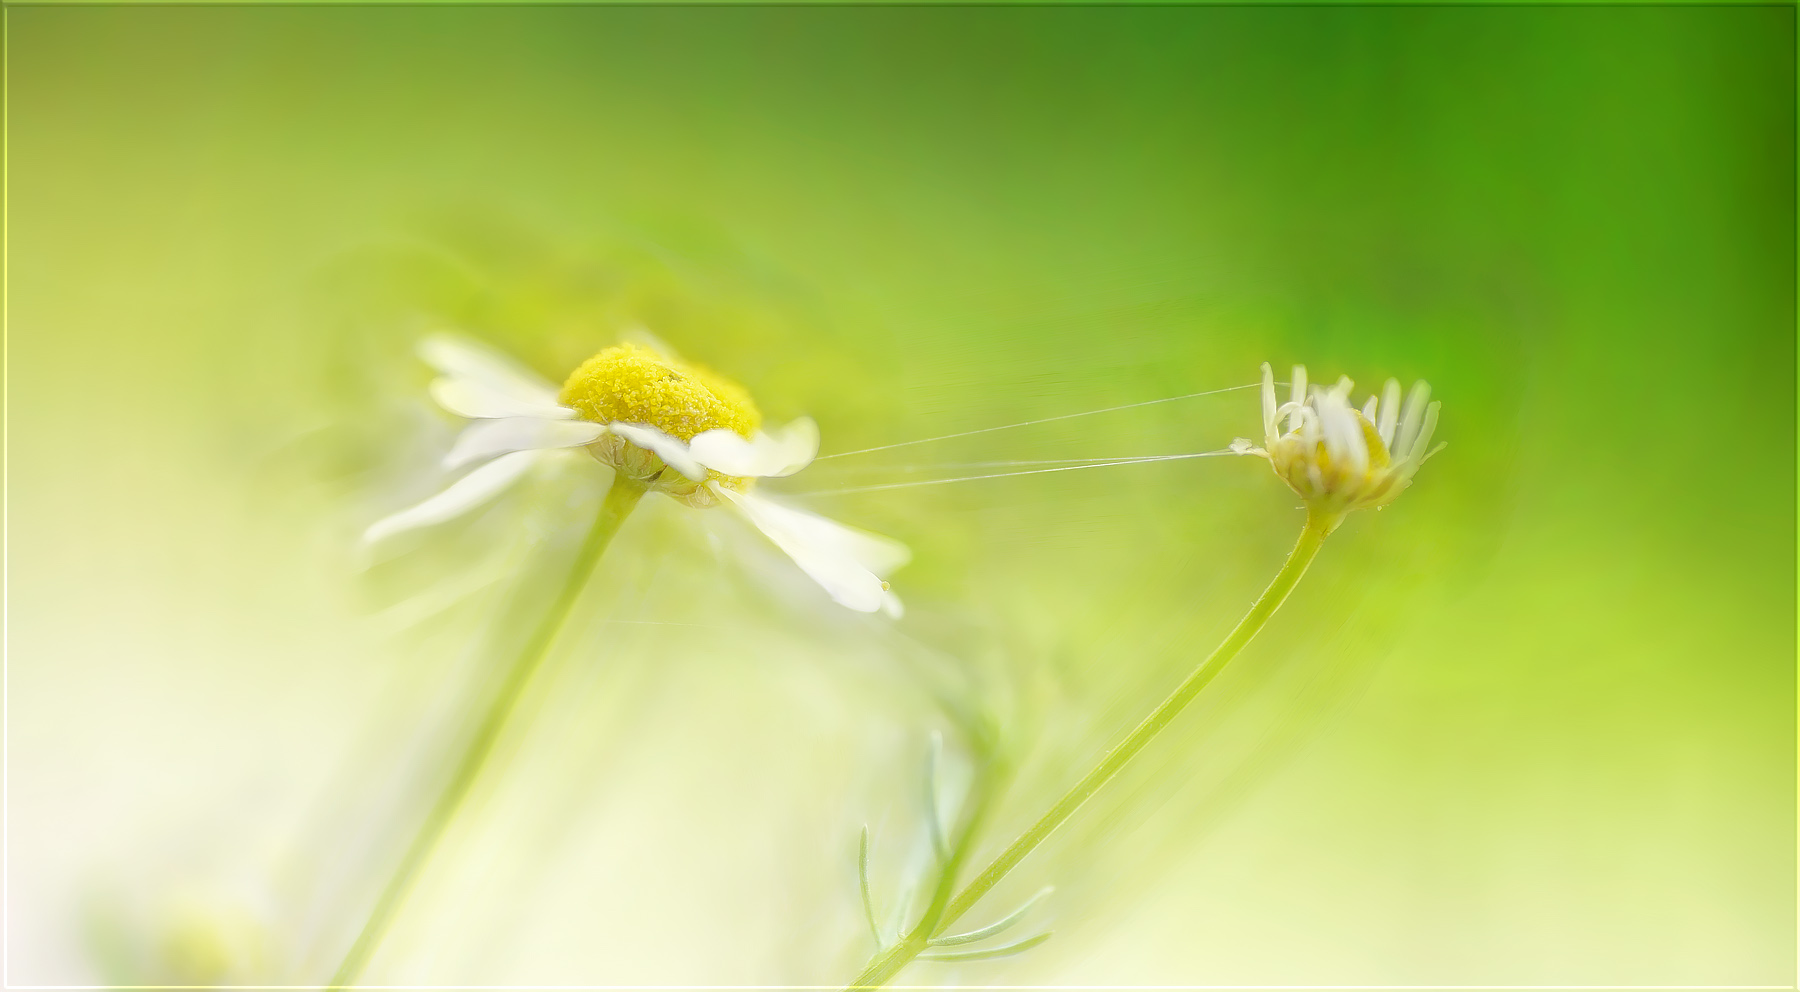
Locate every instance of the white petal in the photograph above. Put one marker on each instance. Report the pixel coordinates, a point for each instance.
(891, 606)
(468, 398)
(1368, 409)
(671, 449)
(1390, 412)
(842, 560)
(1298, 384)
(793, 447)
(724, 450)
(486, 438)
(1343, 435)
(1412, 418)
(1268, 403)
(463, 495)
(762, 456)
(469, 361)
(1418, 453)
(881, 555)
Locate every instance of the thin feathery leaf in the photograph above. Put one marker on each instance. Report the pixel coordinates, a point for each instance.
(934, 819)
(993, 928)
(902, 911)
(862, 876)
(992, 952)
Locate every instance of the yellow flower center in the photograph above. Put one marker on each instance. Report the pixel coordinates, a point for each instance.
(635, 385)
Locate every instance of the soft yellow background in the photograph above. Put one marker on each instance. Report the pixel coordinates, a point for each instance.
(1532, 724)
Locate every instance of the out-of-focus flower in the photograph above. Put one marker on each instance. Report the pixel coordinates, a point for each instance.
(670, 426)
(1339, 458)
(190, 937)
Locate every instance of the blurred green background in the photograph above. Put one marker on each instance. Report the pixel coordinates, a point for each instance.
(1532, 724)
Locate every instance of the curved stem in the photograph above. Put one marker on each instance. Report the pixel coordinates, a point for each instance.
(620, 501)
(888, 963)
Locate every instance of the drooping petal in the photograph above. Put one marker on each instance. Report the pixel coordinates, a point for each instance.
(763, 456)
(486, 438)
(463, 495)
(881, 555)
(842, 560)
(671, 449)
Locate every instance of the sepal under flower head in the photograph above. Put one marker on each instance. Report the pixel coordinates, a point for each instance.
(1339, 458)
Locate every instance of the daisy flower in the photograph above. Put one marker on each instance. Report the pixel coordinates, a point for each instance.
(669, 426)
(1339, 458)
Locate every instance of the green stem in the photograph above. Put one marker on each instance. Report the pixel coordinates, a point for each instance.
(888, 963)
(620, 501)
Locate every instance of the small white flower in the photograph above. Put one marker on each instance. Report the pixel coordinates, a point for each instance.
(672, 427)
(1339, 458)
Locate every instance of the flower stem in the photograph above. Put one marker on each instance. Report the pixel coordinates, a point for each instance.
(619, 502)
(888, 963)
